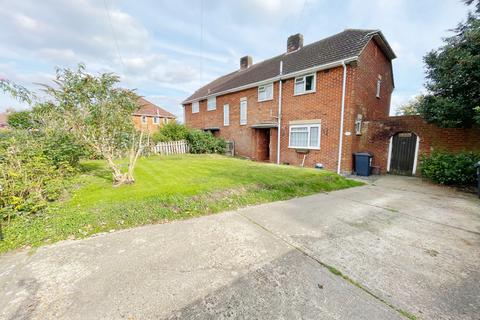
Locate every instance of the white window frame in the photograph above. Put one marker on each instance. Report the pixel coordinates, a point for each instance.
(244, 107)
(304, 79)
(195, 107)
(211, 103)
(226, 115)
(144, 119)
(263, 88)
(379, 86)
(156, 120)
(309, 126)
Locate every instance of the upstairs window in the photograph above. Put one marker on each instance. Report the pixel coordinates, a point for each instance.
(304, 84)
(195, 107)
(226, 115)
(265, 92)
(379, 85)
(211, 103)
(144, 119)
(304, 136)
(155, 120)
(243, 111)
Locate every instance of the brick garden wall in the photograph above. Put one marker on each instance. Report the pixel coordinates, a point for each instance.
(376, 137)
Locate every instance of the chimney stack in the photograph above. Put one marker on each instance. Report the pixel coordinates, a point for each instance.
(245, 62)
(295, 42)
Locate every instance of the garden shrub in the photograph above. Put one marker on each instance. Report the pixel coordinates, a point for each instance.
(204, 142)
(450, 168)
(199, 141)
(171, 131)
(29, 179)
(62, 148)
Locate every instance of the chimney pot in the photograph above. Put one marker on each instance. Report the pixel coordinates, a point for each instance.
(294, 42)
(246, 62)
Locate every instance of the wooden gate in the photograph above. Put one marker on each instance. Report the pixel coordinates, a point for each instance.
(403, 153)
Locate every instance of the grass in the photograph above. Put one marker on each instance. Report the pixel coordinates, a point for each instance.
(166, 188)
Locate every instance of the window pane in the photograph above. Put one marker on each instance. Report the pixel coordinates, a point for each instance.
(226, 115)
(269, 92)
(299, 139)
(243, 112)
(212, 103)
(314, 137)
(195, 107)
(261, 93)
(299, 86)
(309, 83)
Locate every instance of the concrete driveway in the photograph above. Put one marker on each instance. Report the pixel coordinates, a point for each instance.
(393, 249)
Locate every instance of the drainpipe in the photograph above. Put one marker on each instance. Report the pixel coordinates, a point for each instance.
(340, 146)
(279, 121)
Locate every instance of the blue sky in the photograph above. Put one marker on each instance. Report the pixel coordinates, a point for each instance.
(158, 47)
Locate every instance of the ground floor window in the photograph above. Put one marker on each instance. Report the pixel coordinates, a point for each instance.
(305, 136)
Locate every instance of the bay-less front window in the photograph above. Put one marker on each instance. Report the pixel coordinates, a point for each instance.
(305, 136)
(243, 111)
(265, 92)
(304, 84)
(211, 103)
(195, 107)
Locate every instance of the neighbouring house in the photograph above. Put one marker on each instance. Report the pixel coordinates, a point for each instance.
(316, 105)
(3, 121)
(150, 117)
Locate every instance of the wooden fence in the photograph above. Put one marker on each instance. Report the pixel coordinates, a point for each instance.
(172, 147)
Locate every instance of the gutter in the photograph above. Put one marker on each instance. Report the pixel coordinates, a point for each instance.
(340, 144)
(277, 78)
(279, 128)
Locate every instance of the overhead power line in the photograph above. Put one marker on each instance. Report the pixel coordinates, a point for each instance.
(114, 35)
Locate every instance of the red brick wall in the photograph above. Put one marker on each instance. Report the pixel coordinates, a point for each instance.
(376, 137)
(244, 136)
(325, 105)
(371, 65)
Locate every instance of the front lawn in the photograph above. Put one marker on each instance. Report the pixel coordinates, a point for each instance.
(166, 188)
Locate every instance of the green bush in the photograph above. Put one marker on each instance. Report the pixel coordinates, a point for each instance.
(20, 120)
(63, 148)
(450, 168)
(171, 131)
(29, 179)
(199, 141)
(204, 142)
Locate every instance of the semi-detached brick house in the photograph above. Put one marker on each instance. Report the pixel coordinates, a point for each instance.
(316, 102)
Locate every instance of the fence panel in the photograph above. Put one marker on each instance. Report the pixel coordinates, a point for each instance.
(171, 147)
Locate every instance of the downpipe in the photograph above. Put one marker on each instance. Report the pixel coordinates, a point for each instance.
(340, 143)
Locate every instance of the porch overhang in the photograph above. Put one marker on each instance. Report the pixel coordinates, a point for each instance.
(265, 125)
(211, 129)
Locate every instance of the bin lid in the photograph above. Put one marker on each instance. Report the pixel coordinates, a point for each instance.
(365, 154)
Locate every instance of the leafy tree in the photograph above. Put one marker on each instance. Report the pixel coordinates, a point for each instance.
(94, 111)
(411, 107)
(453, 78)
(20, 120)
(470, 2)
